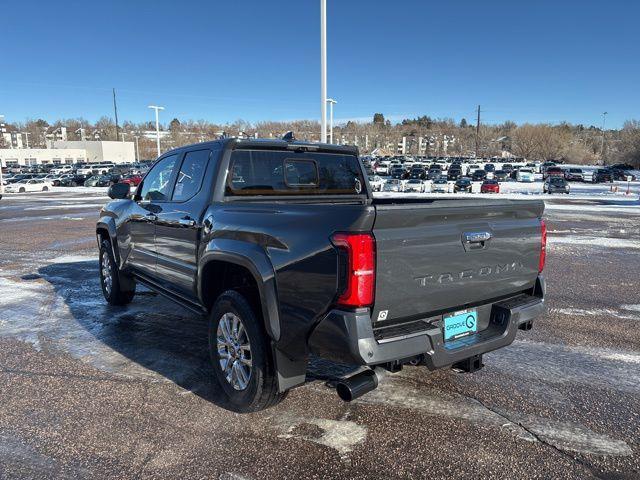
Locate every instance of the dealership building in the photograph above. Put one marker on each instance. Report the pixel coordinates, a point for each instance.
(69, 152)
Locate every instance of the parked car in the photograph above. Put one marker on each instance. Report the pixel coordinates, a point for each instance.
(376, 183)
(501, 175)
(98, 181)
(29, 185)
(552, 172)
(525, 175)
(440, 185)
(21, 176)
(573, 175)
(507, 167)
(462, 185)
(454, 173)
(338, 283)
(419, 173)
(555, 185)
(415, 185)
(393, 185)
(621, 175)
(490, 186)
(489, 167)
(73, 180)
(599, 175)
(434, 173)
(479, 175)
(134, 180)
(399, 173)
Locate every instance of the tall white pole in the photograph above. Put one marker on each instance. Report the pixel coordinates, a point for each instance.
(1, 185)
(331, 102)
(604, 119)
(137, 150)
(323, 71)
(156, 108)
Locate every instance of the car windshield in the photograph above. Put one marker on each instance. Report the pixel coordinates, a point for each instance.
(557, 181)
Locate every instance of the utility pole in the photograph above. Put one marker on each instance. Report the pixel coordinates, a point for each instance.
(332, 102)
(323, 71)
(604, 118)
(477, 131)
(156, 108)
(115, 110)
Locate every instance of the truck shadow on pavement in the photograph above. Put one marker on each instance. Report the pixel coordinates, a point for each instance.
(151, 338)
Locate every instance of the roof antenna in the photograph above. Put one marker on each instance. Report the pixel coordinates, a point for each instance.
(289, 136)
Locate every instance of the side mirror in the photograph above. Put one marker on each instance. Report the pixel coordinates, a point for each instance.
(119, 191)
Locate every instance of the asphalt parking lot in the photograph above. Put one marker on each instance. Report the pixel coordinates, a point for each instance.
(92, 391)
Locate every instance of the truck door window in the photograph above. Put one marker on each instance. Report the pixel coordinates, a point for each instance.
(157, 183)
(190, 176)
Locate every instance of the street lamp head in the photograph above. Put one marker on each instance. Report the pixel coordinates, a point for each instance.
(331, 100)
(156, 107)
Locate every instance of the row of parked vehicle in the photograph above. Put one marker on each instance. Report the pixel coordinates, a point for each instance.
(43, 177)
(611, 173)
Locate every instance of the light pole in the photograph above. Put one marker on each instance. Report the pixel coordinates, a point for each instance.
(604, 118)
(331, 102)
(323, 71)
(1, 132)
(137, 149)
(156, 108)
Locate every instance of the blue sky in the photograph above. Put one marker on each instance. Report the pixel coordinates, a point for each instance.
(542, 61)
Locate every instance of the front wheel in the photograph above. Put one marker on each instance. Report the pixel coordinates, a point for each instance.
(22, 190)
(110, 279)
(45, 189)
(240, 355)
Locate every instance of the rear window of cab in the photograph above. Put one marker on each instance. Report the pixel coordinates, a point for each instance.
(269, 172)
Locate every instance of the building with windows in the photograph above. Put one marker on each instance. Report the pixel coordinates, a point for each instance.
(69, 152)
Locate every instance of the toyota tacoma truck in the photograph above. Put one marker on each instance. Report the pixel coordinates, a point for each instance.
(282, 246)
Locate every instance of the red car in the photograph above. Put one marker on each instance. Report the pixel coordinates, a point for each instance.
(490, 186)
(553, 172)
(132, 180)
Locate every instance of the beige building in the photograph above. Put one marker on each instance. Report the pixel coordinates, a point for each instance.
(35, 156)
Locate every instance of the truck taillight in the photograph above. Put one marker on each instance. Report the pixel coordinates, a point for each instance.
(543, 246)
(358, 264)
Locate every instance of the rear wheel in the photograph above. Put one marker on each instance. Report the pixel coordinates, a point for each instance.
(22, 190)
(45, 189)
(241, 356)
(111, 279)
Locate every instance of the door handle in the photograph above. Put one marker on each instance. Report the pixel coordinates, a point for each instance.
(187, 222)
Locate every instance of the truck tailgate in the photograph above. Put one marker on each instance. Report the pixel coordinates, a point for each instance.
(440, 255)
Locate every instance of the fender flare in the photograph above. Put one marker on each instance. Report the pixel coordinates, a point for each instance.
(107, 225)
(252, 257)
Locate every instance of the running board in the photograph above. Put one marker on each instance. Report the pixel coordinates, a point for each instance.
(183, 302)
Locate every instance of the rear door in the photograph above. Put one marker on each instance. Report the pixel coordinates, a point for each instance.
(448, 254)
(179, 222)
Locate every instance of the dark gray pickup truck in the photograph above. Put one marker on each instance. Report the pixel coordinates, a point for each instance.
(283, 247)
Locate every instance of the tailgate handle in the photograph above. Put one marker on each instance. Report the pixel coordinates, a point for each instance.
(475, 240)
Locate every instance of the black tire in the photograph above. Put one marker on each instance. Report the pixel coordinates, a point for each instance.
(261, 391)
(45, 189)
(116, 293)
(22, 190)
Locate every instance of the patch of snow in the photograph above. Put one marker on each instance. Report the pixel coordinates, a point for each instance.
(605, 242)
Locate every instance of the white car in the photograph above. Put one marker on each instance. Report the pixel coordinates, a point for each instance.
(440, 185)
(33, 185)
(61, 169)
(393, 185)
(414, 185)
(376, 182)
(525, 175)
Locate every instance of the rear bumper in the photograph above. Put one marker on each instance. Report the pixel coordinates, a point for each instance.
(349, 337)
